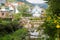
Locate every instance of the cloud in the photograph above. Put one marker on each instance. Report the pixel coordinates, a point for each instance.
(36, 1)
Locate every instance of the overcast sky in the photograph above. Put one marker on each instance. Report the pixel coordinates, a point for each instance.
(36, 1)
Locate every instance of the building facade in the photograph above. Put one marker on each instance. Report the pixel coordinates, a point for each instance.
(4, 13)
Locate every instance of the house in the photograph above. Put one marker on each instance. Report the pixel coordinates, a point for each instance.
(37, 11)
(8, 9)
(5, 13)
(14, 6)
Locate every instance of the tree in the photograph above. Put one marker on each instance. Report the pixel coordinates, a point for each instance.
(20, 34)
(24, 10)
(17, 35)
(54, 7)
(52, 22)
(17, 16)
(10, 0)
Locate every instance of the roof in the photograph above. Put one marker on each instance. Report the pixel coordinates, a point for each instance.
(9, 4)
(36, 9)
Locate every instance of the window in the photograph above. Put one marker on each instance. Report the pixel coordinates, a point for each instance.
(42, 11)
(0, 8)
(2, 14)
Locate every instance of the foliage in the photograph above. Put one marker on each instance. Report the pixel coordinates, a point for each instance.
(51, 24)
(10, 0)
(20, 34)
(54, 7)
(17, 35)
(35, 18)
(24, 10)
(17, 16)
(52, 21)
(10, 26)
(7, 27)
(26, 15)
(7, 37)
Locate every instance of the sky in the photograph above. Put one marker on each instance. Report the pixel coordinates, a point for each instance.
(36, 1)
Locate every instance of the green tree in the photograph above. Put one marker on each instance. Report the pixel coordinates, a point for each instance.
(54, 7)
(20, 34)
(17, 35)
(52, 22)
(17, 16)
(24, 10)
(11, 0)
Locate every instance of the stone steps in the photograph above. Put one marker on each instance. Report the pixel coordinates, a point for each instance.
(33, 17)
(36, 22)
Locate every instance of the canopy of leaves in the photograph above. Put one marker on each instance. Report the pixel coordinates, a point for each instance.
(54, 7)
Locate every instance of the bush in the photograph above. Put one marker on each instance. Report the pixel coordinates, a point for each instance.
(17, 35)
(7, 37)
(26, 15)
(20, 34)
(7, 27)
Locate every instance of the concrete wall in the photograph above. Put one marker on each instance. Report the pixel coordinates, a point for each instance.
(4, 14)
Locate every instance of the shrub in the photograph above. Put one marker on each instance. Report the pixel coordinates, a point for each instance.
(17, 35)
(20, 34)
(7, 27)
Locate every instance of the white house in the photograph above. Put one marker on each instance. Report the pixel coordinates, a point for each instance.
(36, 11)
(15, 9)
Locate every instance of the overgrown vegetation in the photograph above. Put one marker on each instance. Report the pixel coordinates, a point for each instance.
(24, 10)
(7, 27)
(52, 21)
(10, 29)
(17, 35)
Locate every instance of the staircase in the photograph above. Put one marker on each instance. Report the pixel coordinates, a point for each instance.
(36, 21)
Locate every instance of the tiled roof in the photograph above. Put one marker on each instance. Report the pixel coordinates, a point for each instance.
(7, 4)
